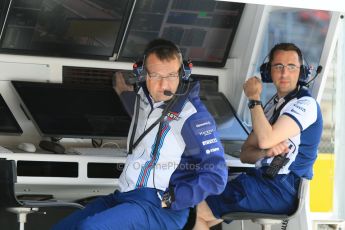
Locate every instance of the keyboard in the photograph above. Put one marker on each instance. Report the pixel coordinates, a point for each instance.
(116, 152)
(4, 150)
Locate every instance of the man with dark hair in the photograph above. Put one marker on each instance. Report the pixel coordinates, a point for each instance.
(289, 127)
(175, 158)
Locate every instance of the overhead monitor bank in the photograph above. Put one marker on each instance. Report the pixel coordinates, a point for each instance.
(102, 29)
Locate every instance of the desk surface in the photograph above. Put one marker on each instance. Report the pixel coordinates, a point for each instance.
(79, 185)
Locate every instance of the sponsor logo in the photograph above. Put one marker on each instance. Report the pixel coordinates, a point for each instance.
(294, 111)
(303, 102)
(299, 107)
(173, 116)
(210, 141)
(203, 124)
(208, 151)
(206, 132)
(144, 101)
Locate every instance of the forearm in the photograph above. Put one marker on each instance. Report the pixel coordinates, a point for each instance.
(261, 127)
(252, 155)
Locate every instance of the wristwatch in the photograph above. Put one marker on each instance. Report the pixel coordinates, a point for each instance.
(168, 197)
(253, 103)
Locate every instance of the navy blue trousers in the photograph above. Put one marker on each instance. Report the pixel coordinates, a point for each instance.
(137, 209)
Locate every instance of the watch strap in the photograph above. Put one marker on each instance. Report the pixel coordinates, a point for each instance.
(253, 103)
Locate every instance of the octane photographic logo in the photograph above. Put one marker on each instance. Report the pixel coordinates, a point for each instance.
(175, 165)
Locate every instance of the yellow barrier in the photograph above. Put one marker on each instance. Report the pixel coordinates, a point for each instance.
(321, 187)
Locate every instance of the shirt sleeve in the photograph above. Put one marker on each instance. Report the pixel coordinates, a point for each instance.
(202, 170)
(303, 111)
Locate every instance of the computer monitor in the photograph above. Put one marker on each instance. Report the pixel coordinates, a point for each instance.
(203, 29)
(8, 123)
(229, 126)
(82, 29)
(70, 110)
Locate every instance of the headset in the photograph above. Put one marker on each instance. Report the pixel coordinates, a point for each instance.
(265, 68)
(139, 70)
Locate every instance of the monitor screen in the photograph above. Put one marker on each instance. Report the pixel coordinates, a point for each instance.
(71, 110)
(229, 126)
(3, 10)
(203, 29)
(92, 28)
(8, 124)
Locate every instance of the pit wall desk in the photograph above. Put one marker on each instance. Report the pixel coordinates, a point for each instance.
(73, 177)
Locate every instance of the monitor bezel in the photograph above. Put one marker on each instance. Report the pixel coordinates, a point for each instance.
(12, 117)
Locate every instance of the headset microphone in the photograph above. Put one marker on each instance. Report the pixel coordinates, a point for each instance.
(318, 70)
(169, 93)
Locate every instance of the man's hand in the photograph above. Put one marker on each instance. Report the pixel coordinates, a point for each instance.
(164, 205)
(278, 149)
(252, 88)
(119, 83)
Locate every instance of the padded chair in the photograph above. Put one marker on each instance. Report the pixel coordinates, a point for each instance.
(267, 220)
(9, 201)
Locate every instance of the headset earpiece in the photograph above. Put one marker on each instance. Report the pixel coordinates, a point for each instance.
(186, 70)
(304, 74)
(139, 71)
(265, 71)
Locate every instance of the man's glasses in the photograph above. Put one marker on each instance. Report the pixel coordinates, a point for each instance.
(158, 77)
(289, 67)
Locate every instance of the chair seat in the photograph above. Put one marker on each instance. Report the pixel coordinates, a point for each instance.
(22, 207)
(50, 203)
(253, 215)
(267, 219)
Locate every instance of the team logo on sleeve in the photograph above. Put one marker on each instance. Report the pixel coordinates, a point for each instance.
(210, 141)
(206, 132)
(208, 151)
(202, 124)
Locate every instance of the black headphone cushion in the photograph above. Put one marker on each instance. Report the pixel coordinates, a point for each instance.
(265, 71)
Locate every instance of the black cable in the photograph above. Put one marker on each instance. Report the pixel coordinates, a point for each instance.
(96, 144)
(284, 224)
(237, 118)
(55, 139)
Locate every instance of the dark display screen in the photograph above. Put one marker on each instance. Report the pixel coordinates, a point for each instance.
(72, 28)
(63, 110)
(203, 29)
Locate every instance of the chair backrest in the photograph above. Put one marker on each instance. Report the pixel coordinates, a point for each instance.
(8, 178)
(302, 192)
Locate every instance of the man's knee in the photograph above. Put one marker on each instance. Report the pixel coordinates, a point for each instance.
(205, 214)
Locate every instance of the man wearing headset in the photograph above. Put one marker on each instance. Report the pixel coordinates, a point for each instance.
(290, 125)
(175, 158)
